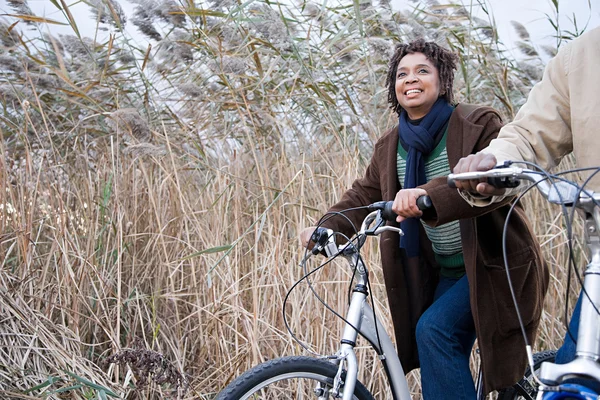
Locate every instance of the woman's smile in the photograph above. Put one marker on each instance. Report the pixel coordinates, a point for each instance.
(412, 93)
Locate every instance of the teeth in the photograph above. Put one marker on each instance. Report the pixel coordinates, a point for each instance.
(413, 91)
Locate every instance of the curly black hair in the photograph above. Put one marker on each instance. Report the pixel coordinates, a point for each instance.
(444, 60)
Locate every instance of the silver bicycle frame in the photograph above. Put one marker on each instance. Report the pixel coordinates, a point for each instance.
(361, 316)
(361, 320)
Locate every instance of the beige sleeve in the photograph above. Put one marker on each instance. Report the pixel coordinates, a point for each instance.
(541, 131)
(483, 201)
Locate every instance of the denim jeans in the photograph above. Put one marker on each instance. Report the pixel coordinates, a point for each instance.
(566, 352)
(445, 338)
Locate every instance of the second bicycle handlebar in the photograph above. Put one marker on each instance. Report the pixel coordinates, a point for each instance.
(321, 235)
(555, 189)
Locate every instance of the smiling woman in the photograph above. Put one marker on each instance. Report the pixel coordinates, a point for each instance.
(437, 300)
(418, 66)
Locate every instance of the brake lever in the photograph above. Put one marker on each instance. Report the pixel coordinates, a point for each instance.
(379, 221)
(388, 228)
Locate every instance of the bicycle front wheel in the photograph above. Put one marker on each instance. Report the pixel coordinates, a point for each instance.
(295, 377)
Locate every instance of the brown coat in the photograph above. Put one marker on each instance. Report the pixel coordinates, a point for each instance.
(410, 286)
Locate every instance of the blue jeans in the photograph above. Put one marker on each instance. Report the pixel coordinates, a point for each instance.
(445, 338)
(566, 352)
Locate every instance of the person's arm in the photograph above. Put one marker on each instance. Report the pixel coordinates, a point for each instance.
(540, 133)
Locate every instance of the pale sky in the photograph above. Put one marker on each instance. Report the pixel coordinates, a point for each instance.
(531, 13)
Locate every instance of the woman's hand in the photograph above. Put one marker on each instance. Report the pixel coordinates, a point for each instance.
(405, 203)
(305, 235)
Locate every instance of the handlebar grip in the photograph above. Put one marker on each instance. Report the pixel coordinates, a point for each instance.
(424, 202)
(387, 213)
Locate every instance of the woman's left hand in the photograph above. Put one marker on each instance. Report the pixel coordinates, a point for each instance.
(405, 203)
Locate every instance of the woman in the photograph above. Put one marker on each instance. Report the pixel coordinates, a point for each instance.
(445, 280)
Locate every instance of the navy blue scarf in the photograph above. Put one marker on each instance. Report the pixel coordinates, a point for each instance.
(418, 141)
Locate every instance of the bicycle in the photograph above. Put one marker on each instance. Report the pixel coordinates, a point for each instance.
(553, 379)
(335, 376)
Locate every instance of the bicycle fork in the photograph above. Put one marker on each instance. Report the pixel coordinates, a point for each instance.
(346, 352)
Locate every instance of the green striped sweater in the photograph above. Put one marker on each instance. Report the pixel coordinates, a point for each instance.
(445, 239)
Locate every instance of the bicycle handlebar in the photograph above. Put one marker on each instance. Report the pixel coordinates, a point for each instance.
(505, 177)
(554, 189)
(383, 209)
(423, 203)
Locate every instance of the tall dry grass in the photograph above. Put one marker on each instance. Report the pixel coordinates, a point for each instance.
(152, 195)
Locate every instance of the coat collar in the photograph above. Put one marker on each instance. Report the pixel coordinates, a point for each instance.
(462, 133)
(462, 139)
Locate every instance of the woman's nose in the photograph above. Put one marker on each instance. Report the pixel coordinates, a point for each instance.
(411, 78)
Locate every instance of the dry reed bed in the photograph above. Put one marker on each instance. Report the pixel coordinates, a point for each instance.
(111, 259)
(151, 197)
(137, 254)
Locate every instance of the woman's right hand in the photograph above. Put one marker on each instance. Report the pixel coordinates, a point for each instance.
(405, 203)
(305, 235)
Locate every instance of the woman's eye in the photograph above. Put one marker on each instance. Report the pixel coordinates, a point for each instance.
(422, 71)
(401, 75)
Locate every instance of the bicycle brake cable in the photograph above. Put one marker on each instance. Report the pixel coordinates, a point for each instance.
(506, 268)
(308, 274)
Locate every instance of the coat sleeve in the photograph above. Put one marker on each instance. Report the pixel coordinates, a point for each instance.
(364, 191)
(448, 205)
(541, 131)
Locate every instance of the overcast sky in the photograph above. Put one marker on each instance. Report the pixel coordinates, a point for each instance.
(531, 13)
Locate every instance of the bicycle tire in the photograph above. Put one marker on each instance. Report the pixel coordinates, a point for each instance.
(527, 383)
(252, 383)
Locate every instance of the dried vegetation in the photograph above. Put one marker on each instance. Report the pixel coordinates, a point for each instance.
(151, 194)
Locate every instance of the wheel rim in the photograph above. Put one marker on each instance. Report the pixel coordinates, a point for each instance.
(293, 385)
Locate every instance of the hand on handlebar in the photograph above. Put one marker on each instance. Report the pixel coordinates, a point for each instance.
(477, 162)
(409, 202)
(305, 235)
(405, 203)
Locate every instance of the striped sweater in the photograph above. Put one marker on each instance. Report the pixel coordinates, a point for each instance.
(445, 239)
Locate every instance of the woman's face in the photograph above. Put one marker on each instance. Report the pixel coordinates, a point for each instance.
(417, 84)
